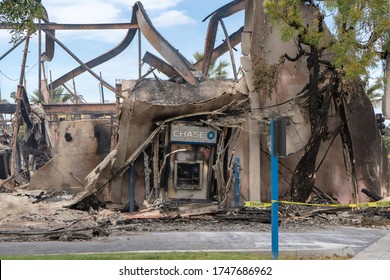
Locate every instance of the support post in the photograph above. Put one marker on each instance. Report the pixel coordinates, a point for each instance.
(15, 155)
(101, 89)
(139, 55)
(156, 160)
(236, 182)
(131, 201)
(274, 195)
(230, 49)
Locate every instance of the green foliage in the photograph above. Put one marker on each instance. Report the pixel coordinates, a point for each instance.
(287, 14)
(57, 96)
(361, 30)
(265, 76)
(20, 16)
(216, 71)
(374, 90)
(13, 95)
(386, 140)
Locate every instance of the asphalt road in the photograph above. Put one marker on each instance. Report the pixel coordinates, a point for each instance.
(340, 241)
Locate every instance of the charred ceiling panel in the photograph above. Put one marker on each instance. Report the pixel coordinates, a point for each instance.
(164, 92)
(372, 164)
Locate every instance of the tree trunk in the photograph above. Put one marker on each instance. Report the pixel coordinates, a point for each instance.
(320, 95)
(303, 178)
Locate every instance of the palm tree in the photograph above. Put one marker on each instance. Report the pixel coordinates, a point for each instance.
(13, 95)
(215, 71)
(57, 96)
(372, 89)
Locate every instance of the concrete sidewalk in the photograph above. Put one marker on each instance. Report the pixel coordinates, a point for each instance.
(379, 250)
(342, 241)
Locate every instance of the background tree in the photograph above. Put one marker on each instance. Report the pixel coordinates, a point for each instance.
(20, 16)
(337, 63)
(374, 90)
(216, 71)
(57, 96)
(13, 95)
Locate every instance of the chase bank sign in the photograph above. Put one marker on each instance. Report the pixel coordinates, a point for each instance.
(193, 134)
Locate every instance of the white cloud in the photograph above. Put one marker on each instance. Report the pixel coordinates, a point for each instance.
(88, 11)
(5, 35)
(172, 18)
(106, 36)
(85, 12)
(100, 11)
(153, 4)
(114, 11)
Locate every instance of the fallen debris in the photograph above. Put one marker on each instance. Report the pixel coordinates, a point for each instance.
(246, 214)
(172, 210)
(88, 203)
(372, 195)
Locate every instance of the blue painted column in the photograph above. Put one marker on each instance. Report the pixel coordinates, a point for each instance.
(131, 185)
(274, 196)
(236, 182)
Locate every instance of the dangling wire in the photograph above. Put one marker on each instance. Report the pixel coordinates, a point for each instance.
(14, 80)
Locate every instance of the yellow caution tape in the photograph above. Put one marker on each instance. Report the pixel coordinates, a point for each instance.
(353, 205)
(257, 204)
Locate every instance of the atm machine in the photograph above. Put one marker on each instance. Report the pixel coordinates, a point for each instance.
(190, 175)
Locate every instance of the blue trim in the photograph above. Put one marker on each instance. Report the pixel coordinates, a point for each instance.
(274, 196)
(193, 143)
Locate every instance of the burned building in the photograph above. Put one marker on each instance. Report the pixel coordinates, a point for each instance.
(190, 139)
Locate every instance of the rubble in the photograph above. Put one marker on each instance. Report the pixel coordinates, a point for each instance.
(173, 210)
(48, 220)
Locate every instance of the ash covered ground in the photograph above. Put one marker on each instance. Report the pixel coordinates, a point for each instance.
(29, 216)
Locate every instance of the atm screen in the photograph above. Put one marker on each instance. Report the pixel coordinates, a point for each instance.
(188, 175)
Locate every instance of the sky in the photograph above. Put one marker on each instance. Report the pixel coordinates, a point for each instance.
(178, 21)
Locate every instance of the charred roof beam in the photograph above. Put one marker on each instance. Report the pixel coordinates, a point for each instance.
(87, 26)
(225, 11)
(162, 66)
(234, 38)
(71, 109)
(167, 51)
(84, 66)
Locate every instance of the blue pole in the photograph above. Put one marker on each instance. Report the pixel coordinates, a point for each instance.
(236, 182)
(274, 196)
(131, 203)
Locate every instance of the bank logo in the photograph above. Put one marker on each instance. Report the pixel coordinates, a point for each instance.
(193, 134)
(211, 135)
